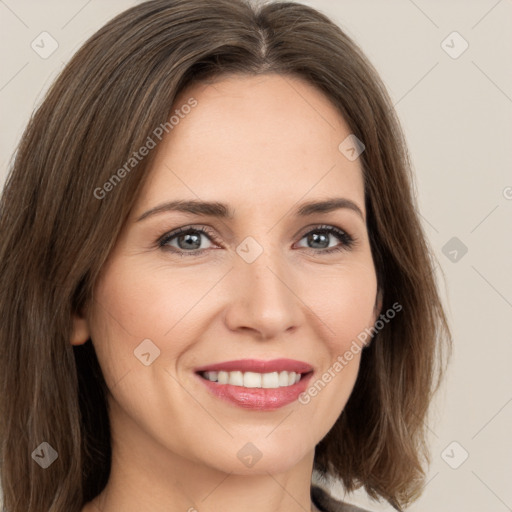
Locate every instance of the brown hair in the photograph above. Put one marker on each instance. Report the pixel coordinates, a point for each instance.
(56, 235)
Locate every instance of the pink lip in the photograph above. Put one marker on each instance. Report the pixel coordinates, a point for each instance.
(259, 366)
(262, 399)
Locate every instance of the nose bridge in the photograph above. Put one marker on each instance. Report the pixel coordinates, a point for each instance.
(263, 297)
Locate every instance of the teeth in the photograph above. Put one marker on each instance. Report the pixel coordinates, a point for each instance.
(211, 376)
(270, 380)
(253, 379)
(283, 378)
(235, 378)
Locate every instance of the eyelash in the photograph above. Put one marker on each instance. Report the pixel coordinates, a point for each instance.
(347, 240)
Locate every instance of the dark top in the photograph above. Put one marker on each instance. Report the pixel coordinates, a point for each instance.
(326, 503)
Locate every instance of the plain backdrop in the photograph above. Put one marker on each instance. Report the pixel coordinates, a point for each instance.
(447, 66)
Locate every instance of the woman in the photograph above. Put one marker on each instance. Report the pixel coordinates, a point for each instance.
(214, 279)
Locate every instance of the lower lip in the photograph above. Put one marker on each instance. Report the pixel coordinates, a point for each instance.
(261, 399)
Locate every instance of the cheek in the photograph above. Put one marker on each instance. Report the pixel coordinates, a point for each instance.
(132, 310)
(123, 317)
(150, 301)
(134, 303)
(346, 307)
(345, 303)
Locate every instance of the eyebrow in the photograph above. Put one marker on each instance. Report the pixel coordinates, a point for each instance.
(221, 210)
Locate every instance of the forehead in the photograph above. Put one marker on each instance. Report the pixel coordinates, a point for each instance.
(254, 137)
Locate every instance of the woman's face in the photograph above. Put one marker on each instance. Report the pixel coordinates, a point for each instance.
(269, 280)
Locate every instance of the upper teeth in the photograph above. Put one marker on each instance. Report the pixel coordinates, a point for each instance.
(253, 379)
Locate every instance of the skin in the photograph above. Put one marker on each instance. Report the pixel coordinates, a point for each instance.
(263, 145)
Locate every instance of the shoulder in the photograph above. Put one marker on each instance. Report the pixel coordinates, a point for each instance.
(327, 503)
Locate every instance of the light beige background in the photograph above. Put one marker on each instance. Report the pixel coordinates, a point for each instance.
(457, 116)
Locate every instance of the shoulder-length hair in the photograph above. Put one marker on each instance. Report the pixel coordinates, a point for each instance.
(56, 233)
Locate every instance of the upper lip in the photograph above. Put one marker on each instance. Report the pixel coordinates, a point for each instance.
(258, 366)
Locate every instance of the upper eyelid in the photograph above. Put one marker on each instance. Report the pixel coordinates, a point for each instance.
(173, 233)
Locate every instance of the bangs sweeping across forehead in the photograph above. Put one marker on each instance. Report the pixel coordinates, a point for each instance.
(57, 233)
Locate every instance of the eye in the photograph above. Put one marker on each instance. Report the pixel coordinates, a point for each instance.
(320, 239)
(187, 240)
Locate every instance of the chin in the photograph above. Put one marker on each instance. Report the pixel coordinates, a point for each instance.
(260, 456)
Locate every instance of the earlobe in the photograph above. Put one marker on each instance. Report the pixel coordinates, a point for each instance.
(378, 306)
(376, 312)
(80, 332)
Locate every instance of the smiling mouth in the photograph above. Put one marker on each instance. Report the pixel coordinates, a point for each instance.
(270, 380)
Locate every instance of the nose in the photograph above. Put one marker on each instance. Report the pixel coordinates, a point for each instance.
(264, 297)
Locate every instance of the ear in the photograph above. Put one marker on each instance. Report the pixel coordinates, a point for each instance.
(376, 312)
(80, 333)
(378, 306)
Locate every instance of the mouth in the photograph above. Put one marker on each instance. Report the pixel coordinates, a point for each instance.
(271, 380)
(255, 384)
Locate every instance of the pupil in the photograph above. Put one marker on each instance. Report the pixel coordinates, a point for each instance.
(192, 241)
(321, 239)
